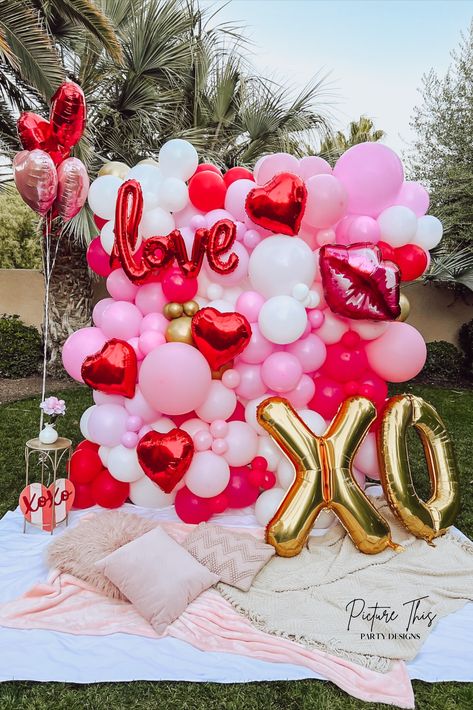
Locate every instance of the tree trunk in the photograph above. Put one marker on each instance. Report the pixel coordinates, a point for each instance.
(70, 297)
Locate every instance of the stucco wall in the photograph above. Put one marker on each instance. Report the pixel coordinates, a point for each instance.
(433, 311)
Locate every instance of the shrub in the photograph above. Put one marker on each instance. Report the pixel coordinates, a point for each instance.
(20, 245)
(20, 348)
(444, 364)
(465, 338)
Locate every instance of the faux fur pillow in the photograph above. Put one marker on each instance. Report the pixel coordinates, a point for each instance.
(77, 550)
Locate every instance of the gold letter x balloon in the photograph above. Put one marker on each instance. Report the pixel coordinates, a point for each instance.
(323, 477)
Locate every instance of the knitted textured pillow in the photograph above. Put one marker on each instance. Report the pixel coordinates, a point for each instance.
(78, 549)
(235, 557)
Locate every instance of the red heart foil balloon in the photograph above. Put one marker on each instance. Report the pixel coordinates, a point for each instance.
(165, 458)
(357, 282)
(36, 132)
(113, 369)
(279, 204)
(220, 336)
(68, 114)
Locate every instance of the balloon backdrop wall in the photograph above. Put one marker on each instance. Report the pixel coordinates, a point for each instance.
(228, 289)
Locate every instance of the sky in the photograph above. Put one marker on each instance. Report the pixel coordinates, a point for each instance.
(375, 51)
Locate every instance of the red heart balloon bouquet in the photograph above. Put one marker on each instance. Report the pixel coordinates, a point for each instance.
(165, 458)
(220, 336)
(279, 204)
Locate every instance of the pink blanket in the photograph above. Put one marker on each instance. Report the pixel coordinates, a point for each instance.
(65, 603)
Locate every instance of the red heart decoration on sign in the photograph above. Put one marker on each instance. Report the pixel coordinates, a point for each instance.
(279, 204)
(220, 336)
(47, 507)
(357, 282)
(165, 458)
(113, 369)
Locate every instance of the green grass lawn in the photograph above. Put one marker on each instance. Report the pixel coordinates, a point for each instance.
(18, 422)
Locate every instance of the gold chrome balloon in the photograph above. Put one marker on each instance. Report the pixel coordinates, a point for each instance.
(173, 310)
(179, 331)
(191, 308)
(114, 168)
(405, 308)
(217, 374)
(323, 477)
(431, 519)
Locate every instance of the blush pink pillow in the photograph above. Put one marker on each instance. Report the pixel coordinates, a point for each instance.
(158, 576)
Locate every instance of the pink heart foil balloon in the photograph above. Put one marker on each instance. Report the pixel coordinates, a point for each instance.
(73, 186)
(36, 180)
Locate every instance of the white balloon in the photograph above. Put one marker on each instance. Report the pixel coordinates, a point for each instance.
(103, 195)
(178, 158)
(398, 225)
(314, 421)
(369, 330)
(282, 320)
(332, 328)
(107, 236)
(429, 232)
(84, 420)
(267, 504)
(208, 474)
(123, 464)
(279, 263)
(242, 442)
(220, 403)
(103, 453)
(270, 451)
(163, 425)
(286, 473)
(150, 179)
(250, 414)
(221, 305)
(147, 494)
(192, 426)
(324, 521)
(102, 398)
(156, 223)
(173, 194)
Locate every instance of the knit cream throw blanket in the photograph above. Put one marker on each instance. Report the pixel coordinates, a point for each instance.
(367, 608)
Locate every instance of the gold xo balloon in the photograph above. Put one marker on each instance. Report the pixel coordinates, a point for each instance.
(405, 308)
(179, 331)
(114, 168)
(324, 478)
(431, 519)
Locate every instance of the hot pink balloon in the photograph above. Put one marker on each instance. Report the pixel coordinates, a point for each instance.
(78, 346)
(326, 201)
(73, 186)
(398, 354)
(372, 174)
(35, 178)
(414, 196)
(98, 259)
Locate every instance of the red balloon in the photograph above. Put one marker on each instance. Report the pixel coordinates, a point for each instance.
(207, 191)
(220, 336)
(99, 222)
(165, 458)
(191, 508)
(85, 465)
(240, 491)
(279, 204)
(269, 480)
(328, 396)
(178, 288)
(207, 167)
(113, 369)
(98, 259)
(412, 261)
(386, 250)
(237, 174)
(85, 444)
(239, 413)
(68, 114)
(36, 132)
(343, 364)
(83, 496)
(108, 492)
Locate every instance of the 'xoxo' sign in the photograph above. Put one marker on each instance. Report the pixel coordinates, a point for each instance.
(46, 507)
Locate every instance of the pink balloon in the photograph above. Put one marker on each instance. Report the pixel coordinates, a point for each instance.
(341, 230)
(35, 178)
(273, 164)
(249, 305)
(154, 321)
(258, 349)
(313, 165)
(398, 354)
(326, 236)
(78, 346)
(120, 287)
(251, 385)
(99, 308)
(73, 186)
(208, 474)
(98, 259)
(242, 444)
(310, 351)
(234, 277)
(363, 229)
(372, 174)
(150, 340)
(415, 196)
(107, 424)
(235, 198)
(102, 398)
(135, 344)
(139, 407)
(302, 394)
(219, 404)
(281, 372)
(366, 458)
(150, 298)
(121, 320)
(175, 378)
(326, 201)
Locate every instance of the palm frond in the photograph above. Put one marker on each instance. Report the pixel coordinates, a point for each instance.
(451, 267)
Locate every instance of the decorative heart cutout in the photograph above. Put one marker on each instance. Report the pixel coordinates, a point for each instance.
(47, 507)
(36, 132)
(220, 336)
(165, 458)
(113, 369)
(358, 283)
(279, 204)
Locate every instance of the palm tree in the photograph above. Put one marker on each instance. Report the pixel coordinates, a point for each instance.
(360, 131)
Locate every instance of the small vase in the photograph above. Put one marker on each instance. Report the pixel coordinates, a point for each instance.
(48, 435)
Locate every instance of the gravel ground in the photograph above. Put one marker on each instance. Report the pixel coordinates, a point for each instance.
(12, 390)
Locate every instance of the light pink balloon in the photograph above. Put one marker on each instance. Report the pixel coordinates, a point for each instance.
(120, 287)
(73, 186)
(139, 407)
(215, 215)
(121, 320)
(249, 305)
(274, 164)
(154, 321)
(219, 404)
(175, 378)
(208, 474)
(281, 372)
(135, 344)
(301, 395)
(363, 229)
(234, 277)
(242, 444)
(398, 354)
(102, 398)
(78, 346)
(107, 424)
(341, 230)
(150, 340)
(251, 385)
(313, 165)
(326, 201)
(36, 179)
(258, 349)
(372, 174)
(366, 458)
(415, 196)
(99, 309)
(150, 298)
(235, 198)
(310, 351)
